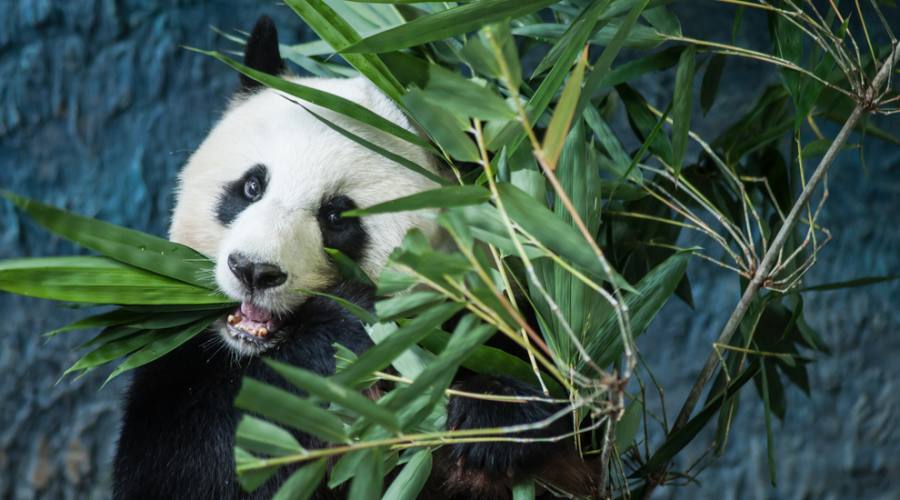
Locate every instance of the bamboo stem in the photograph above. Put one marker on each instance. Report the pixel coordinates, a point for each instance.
(865, 105)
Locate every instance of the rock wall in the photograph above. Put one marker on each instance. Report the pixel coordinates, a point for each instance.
(100, 105)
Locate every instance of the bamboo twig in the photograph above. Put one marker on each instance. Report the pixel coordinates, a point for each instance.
(866, 104)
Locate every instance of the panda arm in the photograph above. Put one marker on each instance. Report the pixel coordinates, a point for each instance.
(488, 469)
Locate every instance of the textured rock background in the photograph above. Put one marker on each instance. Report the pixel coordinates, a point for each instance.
(99, 106)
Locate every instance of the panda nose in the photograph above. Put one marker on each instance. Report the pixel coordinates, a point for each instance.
(255, 275)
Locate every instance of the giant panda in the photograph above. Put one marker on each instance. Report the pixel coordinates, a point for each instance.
(262, 196)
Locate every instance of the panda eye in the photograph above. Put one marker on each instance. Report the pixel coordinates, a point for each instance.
(334, 220)
(253, 188)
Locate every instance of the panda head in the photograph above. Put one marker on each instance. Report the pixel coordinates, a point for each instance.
(264, 193)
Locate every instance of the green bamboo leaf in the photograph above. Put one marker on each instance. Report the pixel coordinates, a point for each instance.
(112, 350)
(466, 337)
(109, 318)
(682, 107)
(257, 435)
(628, 425)
(440, 127)
(303, 482)
(584, 23)
(410, 362)
(512, 134)
(348, 268)
(285, 408)
(869, 280)
(367, 482)
(409, 334)
(333, 29)
(452, 196)
(561, 120)
(631, 70)
(330, 390)
(324, 99)
(604, 62)
(403, 161)
(490, 361)
(711, 78)
(98, 280)
(162, 345)
(556, 235)
(132, 247)
(459, 95)
(663, 20)
(411, 479)
(251, 471)
(645, 124)
(653, 291)
(360, 313)
(445, 24)
(107, 335)
(405, 304)
(523, 490)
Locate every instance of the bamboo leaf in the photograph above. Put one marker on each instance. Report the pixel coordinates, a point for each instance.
(257, 435)
(161, 346)
(411, 479)
(112, 350)
(555, 234)
(868, 280)
(711, 78)
(558, 129)
(330, 390)
(682, 107)
(348, 268)
(445, 24)
(653, 291)
(98, 280)
(285, 408)
(403, 161)
(523, 490)
(383, 353)
(251, 474)
(324, 99)
(109, 318)
(367, 482)
(302, 484)
(338, 34)
(135, 248)
(452, 196)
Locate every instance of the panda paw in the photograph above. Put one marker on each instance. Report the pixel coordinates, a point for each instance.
(487, 470)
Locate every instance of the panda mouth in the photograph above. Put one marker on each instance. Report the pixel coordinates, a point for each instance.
(252, 324)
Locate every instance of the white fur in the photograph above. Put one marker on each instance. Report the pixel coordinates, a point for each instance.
(306, 161)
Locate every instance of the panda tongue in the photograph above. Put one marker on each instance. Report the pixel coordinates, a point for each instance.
(255, 313)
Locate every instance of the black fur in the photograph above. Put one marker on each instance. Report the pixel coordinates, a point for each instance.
(343, 233)
(177, 437)
(232, 200)
(262, 53)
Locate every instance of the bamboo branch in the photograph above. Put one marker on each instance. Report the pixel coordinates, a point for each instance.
(865, 105)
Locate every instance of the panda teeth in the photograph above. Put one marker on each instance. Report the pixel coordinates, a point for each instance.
(234, 319)
(261, 331)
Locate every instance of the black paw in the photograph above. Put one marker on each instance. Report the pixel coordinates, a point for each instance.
(503, 460)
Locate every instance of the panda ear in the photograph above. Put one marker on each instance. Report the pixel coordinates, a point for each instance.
(262, 52)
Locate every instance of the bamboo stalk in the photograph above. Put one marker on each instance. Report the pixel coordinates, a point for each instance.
(865, 104)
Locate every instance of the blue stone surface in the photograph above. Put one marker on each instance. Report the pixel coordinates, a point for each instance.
(100, 104)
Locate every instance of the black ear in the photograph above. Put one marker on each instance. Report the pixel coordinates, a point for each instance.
(262, 52)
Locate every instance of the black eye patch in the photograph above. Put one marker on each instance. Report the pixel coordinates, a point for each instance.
(241, 193)
(344, 234)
